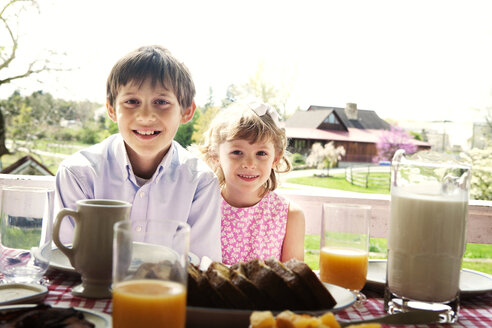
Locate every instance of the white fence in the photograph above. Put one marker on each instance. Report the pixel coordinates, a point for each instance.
(361, 176)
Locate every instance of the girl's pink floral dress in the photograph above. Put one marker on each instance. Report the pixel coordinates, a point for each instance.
(254, 232)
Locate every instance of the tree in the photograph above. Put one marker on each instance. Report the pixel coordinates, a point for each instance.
(392, 140)
(481, 182)
(202, 124)
(23, 122)
(184, 135)
(10, 16)
(325, 157)
(37, 117)
(488, 119)
(260, 88)
(232, 94)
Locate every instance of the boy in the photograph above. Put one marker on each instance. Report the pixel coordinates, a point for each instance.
(149, 94)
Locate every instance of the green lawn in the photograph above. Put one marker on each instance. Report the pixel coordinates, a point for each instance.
(477, 256)
(60, 148)
(338, 181)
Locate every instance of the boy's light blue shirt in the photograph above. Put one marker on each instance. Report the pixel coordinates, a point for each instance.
(183, 188)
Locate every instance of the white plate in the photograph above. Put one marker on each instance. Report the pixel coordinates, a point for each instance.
(342, 296)
(21, 293)
(99, 319)
(210, 317)
(471, 282)
(60, 262)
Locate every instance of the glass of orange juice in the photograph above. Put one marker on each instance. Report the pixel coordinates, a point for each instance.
(149, 273)
(344, 253)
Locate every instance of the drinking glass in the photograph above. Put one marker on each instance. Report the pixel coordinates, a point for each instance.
(25, 233)
(344, 253)
(426, 242)
(150, 260)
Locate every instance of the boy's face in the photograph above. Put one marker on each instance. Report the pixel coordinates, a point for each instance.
(148, 118)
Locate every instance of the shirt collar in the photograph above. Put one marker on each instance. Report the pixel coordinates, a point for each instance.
(126, 167)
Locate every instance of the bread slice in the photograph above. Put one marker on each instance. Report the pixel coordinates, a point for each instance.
(43, 315)
(260, 300)
(240, 267)
(193, 296)
(321, 294)
(219, 278)
(295, 283)
(273, 285)
(200, 293)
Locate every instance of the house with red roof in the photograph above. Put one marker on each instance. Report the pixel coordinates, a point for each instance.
(357, 130)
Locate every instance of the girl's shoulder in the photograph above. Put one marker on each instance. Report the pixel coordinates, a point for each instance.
(272, 196)
(272, 199)
(293, 207)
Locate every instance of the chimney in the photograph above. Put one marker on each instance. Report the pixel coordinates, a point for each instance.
(351, 111)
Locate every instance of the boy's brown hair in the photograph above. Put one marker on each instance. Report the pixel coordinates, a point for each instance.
(156, 63)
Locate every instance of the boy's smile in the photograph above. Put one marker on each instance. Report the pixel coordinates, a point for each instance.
(146, 133)
(148, 117)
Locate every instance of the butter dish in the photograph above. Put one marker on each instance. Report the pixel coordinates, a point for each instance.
(16, 293)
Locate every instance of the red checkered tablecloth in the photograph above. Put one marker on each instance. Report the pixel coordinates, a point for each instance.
(60, 286)
(475, 311)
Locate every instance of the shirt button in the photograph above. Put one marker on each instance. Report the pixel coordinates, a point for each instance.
(142, 194)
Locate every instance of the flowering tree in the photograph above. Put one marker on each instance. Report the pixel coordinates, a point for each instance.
(392, 140)
(481, 182)
(325, 157)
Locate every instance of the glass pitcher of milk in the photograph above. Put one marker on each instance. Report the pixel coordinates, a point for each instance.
(426, 242)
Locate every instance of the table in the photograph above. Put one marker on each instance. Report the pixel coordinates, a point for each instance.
(475, 311)
(60, 293)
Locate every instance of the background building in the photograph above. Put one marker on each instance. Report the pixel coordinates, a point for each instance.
(357, 130)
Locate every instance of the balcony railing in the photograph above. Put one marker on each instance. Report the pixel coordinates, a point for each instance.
(479, 212)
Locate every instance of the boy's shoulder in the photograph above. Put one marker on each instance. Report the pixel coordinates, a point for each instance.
(96, 155)
(184, 157)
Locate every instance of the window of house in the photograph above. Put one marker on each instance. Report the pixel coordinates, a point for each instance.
(331, 119)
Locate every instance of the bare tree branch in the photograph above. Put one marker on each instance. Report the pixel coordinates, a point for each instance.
(8, 53)
(11, 57)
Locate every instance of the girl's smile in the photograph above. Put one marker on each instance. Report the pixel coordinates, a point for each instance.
(248, 177)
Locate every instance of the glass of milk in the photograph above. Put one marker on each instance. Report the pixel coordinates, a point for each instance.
(426, 242)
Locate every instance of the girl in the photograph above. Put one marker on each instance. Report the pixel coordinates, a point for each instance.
(245, 146)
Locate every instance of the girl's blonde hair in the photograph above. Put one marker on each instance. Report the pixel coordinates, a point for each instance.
(240, 122)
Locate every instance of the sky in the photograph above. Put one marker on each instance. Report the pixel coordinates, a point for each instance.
(406, 60)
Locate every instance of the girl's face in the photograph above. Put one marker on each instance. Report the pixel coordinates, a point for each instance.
(246, 168)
